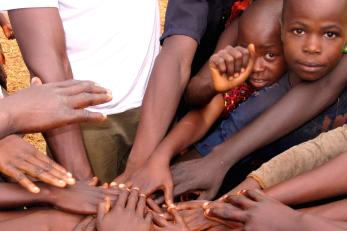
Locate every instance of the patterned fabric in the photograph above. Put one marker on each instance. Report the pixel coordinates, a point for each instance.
(235, 96)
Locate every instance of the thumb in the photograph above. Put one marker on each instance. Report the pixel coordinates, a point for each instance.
(103, 209)
(93, 181)
(36, 81)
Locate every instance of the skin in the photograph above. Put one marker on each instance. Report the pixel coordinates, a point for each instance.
(209, 171)
(256, 211)
(264, 66)
(65, 99)
(178, 224)
(6, 27)
(44, 51)
(127, 214)
(78, 199)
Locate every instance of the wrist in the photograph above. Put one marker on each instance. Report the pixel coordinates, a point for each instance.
(6, 125)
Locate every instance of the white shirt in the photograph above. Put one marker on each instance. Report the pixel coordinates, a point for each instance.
(111, 42)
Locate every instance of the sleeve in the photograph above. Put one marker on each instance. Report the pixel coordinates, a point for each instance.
(302, 158)
(186, 17)
(19, 4)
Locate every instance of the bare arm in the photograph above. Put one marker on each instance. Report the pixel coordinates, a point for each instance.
(283, 117)
(200, 89)
(305, 188)
(167, 83)
(40, 35)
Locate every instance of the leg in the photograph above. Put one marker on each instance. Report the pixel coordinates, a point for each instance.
(108, 143)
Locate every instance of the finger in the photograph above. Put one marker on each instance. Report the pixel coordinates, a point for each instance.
(168, 193)
(256, 195)
(21, 179)
(216, 62)
(94, 181)
(190, 205)
(84, 86)
(36, 81)
(132, 200)
(149, 218)
(159, 220)
(237, 55)
(227, 213)
(141, 205)
(177, 216)
(83, 115)
(240, 201)
(245, 57)
(153, 205)
(122, 200)
(82, 226)
(83, 100)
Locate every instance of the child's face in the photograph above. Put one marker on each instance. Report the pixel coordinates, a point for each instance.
(313, 34)
(269, 65)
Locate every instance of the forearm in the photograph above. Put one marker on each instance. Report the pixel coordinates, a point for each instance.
(41, 38)
(335, 211)
(312, 223)
(302, 158)
(166, 85)
(13, 195)
(283, 117)
(305, 187)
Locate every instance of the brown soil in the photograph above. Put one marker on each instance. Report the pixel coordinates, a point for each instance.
(18, 75)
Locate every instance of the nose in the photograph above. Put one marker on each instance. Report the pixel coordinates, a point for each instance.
(312, 45)
(258, 65)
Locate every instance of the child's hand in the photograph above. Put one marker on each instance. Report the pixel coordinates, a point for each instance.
(128, 213)
(8, 31)
(81, 198)
(46, 106)
(231, 67)
(177, 225)
(19, 158)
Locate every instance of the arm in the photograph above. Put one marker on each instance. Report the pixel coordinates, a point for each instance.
(40, 35)
(302, 158)
(200, 89)
(167, 82)
(304, 188)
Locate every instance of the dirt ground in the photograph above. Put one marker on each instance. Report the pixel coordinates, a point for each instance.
(18, 75)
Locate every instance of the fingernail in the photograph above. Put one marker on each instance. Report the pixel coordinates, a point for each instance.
(208, 211)
(109, 93)
(71, 181)
(35, 190)
(69, 174)
(136, 188)
(96, 84)
(113, 184)
(121, 186)
(143, 195)
(243, 70)
(61, 183)
(162, 215)
(204, 205)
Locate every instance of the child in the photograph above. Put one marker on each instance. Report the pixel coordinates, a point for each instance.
(314, 34)
(268, 67)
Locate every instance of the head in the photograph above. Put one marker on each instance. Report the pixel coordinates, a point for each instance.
(313, 34)
(260, 25)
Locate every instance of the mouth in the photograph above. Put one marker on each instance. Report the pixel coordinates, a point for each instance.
(310, 66)
(257, 83)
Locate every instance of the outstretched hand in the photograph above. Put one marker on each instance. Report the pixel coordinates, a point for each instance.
(127, 214)
(19, 158)
(231, 67)
(45, 106)
(255, 211)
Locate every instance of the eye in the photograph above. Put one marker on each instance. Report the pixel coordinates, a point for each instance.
(330, 34)
(298, 32)
(270, 56)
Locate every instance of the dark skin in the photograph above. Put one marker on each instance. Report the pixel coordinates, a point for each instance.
(78, 199)
(44, 51)
(209, 171)
(256, 211)
(66, 100)
(264, 66)
(127, 214)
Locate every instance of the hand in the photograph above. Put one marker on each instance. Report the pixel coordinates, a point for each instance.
(19, 158)
(248, 183)
(47, 106)
(128, 213)
(255, 211)
(177, 225)
(231, 67)
(204, 175)
(8, 31)
(153, 175)
(87, 224)
(81, 198)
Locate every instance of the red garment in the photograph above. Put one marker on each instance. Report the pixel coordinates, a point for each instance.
(236, 96)
(237, 8)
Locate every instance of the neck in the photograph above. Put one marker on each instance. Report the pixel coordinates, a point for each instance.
(294, 79)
